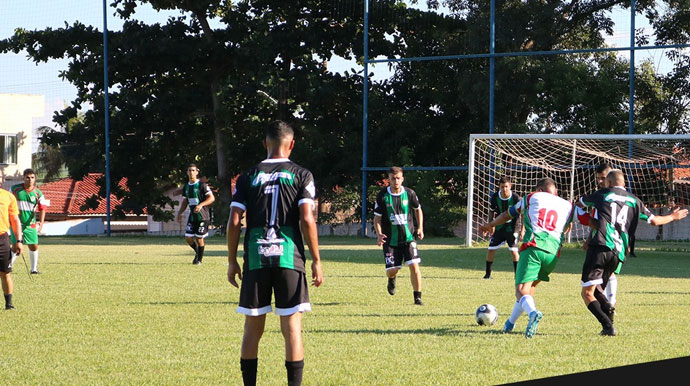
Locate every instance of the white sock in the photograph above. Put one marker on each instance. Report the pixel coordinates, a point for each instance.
(611, 289)
(527, 304)
(33, 256)
(517, 311)
(14, 257)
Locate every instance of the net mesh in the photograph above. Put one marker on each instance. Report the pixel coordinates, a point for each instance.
(657, 170)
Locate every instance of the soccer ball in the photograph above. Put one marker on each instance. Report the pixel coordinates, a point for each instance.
(486, 315)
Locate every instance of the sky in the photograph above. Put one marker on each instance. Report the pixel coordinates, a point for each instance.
(18, 75)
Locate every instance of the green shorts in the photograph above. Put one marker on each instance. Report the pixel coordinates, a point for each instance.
(29, 234)
(534, 264)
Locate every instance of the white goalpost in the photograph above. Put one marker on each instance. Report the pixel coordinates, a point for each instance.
(657, 169)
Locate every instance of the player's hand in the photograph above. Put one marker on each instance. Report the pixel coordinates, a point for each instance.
(234, 269)
(17, 248)
(679, 213)
(316, 274)
(380, 239)
(197, 208)
(420, 234)
(485, 228)
(585, 245)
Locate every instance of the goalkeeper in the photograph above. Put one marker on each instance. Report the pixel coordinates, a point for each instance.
(506, 233)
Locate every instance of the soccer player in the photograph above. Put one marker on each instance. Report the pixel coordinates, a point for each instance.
(395, 230)
(198, 196)
(278, 198)
(618, 212)
(506, 233)
(9, 216)
(30, 201)
(546, 217)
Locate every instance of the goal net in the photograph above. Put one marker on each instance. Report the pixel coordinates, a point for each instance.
(657, 169)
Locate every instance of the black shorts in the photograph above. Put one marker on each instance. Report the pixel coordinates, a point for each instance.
(290, 287)
(5, 254)
(394, 256)
(196, 229)
(599, 264)
(502, 236)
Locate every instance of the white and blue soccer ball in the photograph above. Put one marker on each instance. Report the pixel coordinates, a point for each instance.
(486, 315)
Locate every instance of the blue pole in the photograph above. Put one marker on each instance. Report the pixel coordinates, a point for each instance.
(365, 107)
(107, 116)
(492, 64)
(631, 113)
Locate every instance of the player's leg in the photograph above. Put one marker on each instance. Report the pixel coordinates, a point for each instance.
(292, 299)
(5, 271)
(30, 237)
(490, 253)
(393, 265)
(255, 303)
(200, 233)
(593, 272)
(189, 237)
(497, 239)
(513, 248)
(412, 260)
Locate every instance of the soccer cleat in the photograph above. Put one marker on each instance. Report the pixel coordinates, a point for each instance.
(507, 327)
(196, 260)
(35, 272)
(418, 301)
(487, 276)
(534, 318)
(9, 307)
(609, 331)
(391, 285)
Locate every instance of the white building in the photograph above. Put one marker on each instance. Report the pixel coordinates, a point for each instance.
(17, 114)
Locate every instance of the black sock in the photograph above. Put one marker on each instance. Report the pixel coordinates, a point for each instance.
(193, 246)
(488, 267)
(294, 372)
(200, 252)
(603, 301)
(8, 300)
(417, 294)
(248, 367)
(514, 266)
(595, 308)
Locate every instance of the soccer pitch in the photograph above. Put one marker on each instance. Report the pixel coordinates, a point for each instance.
(134, 310)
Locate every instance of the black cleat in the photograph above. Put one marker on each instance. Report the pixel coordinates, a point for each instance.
(418, 301)
(391, 285)
(487, 276)
(35, 272)
(196, 260)
(9, 307)
(608, 331)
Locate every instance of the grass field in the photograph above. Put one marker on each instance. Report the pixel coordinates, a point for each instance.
(133, 310)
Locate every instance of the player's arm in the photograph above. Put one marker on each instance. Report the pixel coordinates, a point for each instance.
(501, 219)
(676, 215)
(13, 212)
(380, 237)
(420, 221)
(183, 206)
(233, 230)
(210, 199)
(310, 233)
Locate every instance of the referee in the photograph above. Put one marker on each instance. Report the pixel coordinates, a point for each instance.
(9, 215)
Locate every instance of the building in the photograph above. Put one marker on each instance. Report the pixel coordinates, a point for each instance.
(17, 114)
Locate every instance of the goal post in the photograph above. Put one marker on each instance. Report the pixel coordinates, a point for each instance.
(657, 169)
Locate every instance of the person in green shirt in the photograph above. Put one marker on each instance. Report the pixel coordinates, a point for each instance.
(32, 204)
(198, 196)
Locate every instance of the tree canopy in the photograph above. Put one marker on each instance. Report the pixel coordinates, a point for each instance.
(201, 87)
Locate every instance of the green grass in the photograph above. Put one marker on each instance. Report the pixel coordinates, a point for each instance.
(135, 311)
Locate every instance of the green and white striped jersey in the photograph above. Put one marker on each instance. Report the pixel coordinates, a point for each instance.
(29, 202)
(397, 220)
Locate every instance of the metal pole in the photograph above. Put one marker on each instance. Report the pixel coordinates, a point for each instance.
(106, 108)
(572, 180)
(631, 113)
(365, 106)
(470, 193)
(492, 65)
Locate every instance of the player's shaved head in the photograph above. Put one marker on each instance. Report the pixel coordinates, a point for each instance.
(547, 185)
(278, 132)
(616, 178)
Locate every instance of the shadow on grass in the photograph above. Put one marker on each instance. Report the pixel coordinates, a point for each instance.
(181, 303)
(436, 331)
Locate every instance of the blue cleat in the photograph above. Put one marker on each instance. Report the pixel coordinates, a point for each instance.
(534, 318)
(508, 327)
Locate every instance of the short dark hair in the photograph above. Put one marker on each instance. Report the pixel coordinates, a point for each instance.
(28, 171)
(395, 170)
(192, 165)
(504, 179)
(545, 183)
(602, 167)
(278, 130)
